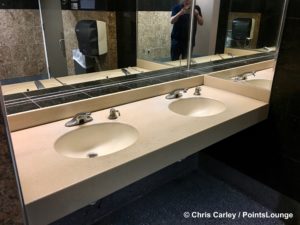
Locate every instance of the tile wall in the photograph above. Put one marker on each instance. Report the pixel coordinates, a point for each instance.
(154, 35)
(21, 43)
(10, 206)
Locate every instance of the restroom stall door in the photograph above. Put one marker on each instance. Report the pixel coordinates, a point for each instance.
(54, 37)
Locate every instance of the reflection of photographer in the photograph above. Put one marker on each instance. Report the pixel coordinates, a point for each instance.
(180, 19)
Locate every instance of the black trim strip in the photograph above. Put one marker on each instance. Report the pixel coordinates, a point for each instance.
(19, 4)
(156, 5)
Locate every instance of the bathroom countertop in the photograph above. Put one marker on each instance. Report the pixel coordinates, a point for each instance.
(75, 79)
(54, 185)
(241, 51)
(202, 59)
(19, 87)
(266, 74)
(24, 87)
(49, 83)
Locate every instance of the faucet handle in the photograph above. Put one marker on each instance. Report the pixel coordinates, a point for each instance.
(177, 93)
(83, 114)
(197, 90)
(113, 114)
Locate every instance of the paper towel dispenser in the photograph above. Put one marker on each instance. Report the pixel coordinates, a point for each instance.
(241, 28)
(92, 37)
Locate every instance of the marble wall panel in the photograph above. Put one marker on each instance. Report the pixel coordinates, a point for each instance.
(154, 35)
(10, 206)
(21, 44)
(70, 19)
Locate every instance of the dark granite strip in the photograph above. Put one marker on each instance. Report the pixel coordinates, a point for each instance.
(14, 97)
(103, 82)
(107, 90)
(22, 107)
(48, 91)
(176, 76)
(142, 83)
(70, 93)
(61, 100)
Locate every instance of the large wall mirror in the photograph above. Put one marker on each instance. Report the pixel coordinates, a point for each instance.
(59, 51)
(82, 41)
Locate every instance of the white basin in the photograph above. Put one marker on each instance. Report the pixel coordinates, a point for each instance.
(261, 83)
(96, 140)
(197, 107)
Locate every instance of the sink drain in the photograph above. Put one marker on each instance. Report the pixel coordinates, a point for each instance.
(92, 155)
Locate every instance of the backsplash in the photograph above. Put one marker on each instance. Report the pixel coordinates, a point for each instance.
(21, 44)
(70, 19)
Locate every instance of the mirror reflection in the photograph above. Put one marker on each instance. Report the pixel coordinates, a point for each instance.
(231, 29)
(90, 40)
(78, 37)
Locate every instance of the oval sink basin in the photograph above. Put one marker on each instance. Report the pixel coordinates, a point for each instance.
(96, 140)
(261, 83)
(197, 107)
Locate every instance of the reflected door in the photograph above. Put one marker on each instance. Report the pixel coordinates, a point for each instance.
(54, 37)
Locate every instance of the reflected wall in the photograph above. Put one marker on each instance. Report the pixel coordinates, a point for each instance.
(21, 43)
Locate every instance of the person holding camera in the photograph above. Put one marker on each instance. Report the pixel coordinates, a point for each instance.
(180, 18)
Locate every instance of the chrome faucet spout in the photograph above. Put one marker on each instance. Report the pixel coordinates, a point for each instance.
(79, 119)
(244, 76)
(177, 93)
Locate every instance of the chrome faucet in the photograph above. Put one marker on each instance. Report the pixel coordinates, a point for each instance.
(114, 114)
(230, 54)
(176, 93)
(244, 76)
(79, 119)
(197, 91)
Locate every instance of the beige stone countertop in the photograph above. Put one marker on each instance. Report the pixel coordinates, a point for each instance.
(49, 83)
(266, 74)
(19, 87)
(46, 175)
(202, 59)
(241, 51)
(74, 79)
(28, 86)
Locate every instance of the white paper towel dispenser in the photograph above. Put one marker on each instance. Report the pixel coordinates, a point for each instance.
(102, 37)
